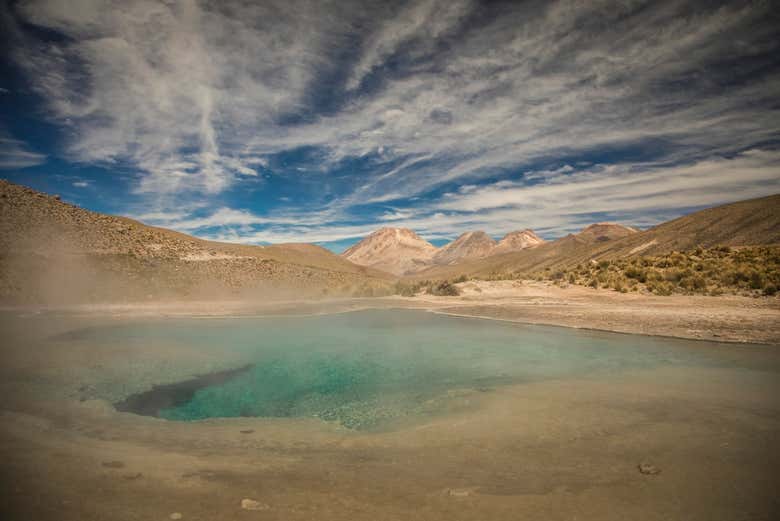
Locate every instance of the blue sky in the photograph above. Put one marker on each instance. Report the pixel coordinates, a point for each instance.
(297, 121)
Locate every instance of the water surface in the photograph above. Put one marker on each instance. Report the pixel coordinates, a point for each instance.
(371, 368)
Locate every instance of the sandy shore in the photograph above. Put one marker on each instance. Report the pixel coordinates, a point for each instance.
(726, 318)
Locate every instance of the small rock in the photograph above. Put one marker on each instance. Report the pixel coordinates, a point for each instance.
(251, 504)
(460, 492)
(646, 468)
(113, 464)
(176, 515)
(247, 431)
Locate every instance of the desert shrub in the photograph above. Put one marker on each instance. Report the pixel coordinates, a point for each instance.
(462, 278)
(572, 278)
(405, 290)
(660, 287)
(363, 291)
(632, 272)
(756, 280)
(444, 289)
(593, 283)
(770, 290)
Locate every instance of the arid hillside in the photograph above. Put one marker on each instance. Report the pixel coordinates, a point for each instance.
(54, 252)
(470, 245)
(745, 223)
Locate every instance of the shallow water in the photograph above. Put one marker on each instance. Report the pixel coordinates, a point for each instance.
(370, 369)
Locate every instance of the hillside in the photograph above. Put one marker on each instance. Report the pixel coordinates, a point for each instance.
(53, 252)
(603, 232)
(470, 245)
(516, 241)
(746, 270)
(393, 250)
(752, 222)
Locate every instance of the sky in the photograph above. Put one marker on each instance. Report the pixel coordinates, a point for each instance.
(321, 121)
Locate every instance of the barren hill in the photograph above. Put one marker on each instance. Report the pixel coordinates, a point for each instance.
(394, 250)
(603, 232)
(516, 241)
(470, 245)
(54, 252)
(752, 222)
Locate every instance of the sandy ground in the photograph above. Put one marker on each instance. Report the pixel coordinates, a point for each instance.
(566, 449)
(725, 318)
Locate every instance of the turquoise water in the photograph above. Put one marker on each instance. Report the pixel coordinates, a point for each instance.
(367, 369)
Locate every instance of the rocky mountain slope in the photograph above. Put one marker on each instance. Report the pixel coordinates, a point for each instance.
(54, 252)
(393, 250)
(516, 241)
(745, 223)
(470, 245)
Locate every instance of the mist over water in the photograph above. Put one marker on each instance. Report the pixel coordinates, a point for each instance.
(370, 369)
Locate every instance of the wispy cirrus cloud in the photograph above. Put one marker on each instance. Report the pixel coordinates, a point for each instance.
(559, 202)
(16, 154)
(429, 96)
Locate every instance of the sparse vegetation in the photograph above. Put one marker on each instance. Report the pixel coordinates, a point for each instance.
(750, 271)
(442, 288)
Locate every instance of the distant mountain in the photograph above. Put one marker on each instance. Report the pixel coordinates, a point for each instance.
(394, 250)
(746, 223)
(400, 251)
(602, 232)
(516, 241)
(54, 252)
(470, 245)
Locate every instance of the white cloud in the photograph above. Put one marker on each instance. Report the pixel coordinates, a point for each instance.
(560, 202)
(197, 95)
(15, 153)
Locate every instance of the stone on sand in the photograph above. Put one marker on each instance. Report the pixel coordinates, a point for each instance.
(251, 504)
(647, 468)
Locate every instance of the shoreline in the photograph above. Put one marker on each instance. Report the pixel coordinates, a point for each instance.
(727, 319)
(597, 330)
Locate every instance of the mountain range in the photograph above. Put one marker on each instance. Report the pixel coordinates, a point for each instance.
(745, 223)
(55, 252)
(402, 252)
